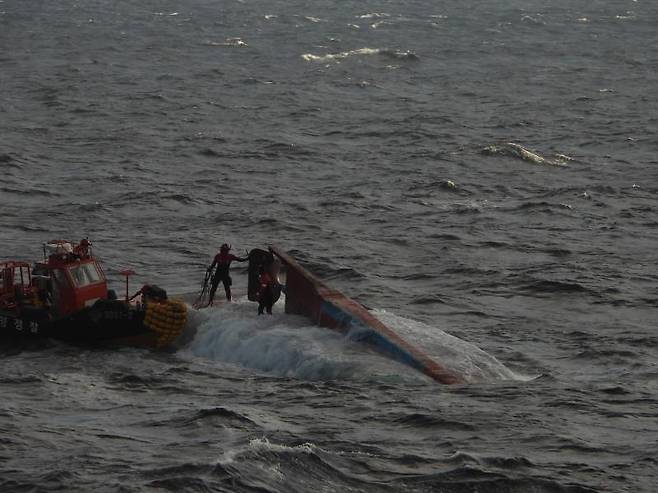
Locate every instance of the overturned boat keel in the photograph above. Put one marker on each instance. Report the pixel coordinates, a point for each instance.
(307, 295)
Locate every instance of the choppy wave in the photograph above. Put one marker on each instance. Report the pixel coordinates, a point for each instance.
(7, 162)
(162, 136)
(392, 54)
(511, 149)
(229, 42)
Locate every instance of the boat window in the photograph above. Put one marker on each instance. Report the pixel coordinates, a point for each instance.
(60, 277)
(40, 270)
(22, 276)
(16, 276)
(5, 276)
(84, 274)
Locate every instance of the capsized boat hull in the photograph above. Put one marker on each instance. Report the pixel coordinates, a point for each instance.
(309, 296)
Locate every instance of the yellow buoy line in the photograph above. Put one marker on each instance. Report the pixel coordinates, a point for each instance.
(167, 318)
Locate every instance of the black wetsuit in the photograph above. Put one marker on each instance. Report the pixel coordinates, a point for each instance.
(223, 262)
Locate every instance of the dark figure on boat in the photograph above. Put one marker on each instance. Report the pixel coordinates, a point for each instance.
(150, 292)
(83, 249)
(223, 262)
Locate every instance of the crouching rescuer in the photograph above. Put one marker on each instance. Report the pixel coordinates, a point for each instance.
(264, 286)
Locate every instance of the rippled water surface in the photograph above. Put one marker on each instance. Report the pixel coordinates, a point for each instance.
(482, 175)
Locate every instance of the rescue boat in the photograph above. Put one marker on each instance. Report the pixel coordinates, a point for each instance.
(66, 297)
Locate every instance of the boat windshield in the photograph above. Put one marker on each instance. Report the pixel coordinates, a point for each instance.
(6, 280)
(84, 274)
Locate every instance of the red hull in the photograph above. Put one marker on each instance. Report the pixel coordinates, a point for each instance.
(307, 295)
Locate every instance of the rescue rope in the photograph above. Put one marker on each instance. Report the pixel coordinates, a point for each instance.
(201, 300)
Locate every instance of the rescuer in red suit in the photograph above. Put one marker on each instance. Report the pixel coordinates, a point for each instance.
(223, 261)
(82, 249)
(265, 292)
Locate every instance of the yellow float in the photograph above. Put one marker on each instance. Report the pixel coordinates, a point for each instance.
(166, 318)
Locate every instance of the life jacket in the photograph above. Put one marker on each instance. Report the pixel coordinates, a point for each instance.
(265, 282)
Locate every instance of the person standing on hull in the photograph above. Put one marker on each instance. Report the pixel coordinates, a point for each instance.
(269, 289)
(265, 291)
(223, 262)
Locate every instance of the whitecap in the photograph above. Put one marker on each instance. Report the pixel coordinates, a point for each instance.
(515, 150)
(374, 15)
(265, 444)
(342, 55)
(396, 54)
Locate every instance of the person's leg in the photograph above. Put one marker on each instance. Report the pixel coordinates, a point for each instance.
(268, 300)
(213, 288)
(227, 287)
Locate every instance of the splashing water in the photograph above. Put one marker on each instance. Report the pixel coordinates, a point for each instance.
(287, 345)
(464, 358)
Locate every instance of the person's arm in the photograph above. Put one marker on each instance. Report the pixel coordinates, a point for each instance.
(141, 291)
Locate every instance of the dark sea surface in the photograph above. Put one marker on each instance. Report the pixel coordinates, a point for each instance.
(483, 175)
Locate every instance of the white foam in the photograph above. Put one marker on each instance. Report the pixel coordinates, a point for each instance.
(464, 358)
(339, 56)
(516, 150)
(265, 444)
(374, 15)
(289, 346)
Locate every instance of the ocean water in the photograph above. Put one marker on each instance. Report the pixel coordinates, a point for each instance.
(482, 175)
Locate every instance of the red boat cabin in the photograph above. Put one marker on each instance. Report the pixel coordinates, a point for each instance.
(67, 282)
